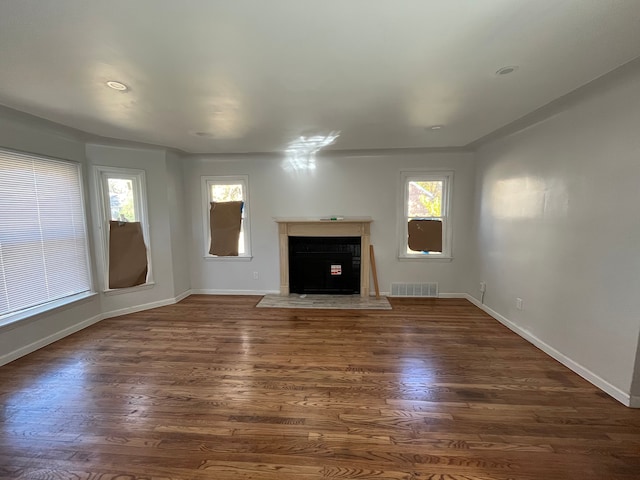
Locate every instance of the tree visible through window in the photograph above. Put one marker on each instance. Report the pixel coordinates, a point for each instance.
(425, 199)
(121, 199)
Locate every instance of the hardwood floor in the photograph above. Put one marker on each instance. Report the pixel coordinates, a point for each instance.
(213, 388)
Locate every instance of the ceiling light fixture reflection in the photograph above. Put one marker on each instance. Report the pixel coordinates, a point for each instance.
(435, 127)
(301, 153)
(121, 87)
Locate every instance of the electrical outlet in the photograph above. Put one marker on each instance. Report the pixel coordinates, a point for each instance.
(519, 304)
(255, 275)
(483, 287)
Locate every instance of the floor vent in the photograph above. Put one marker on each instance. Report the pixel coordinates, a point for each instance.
(414, 290)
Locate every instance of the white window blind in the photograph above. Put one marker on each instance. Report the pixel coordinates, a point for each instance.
(43, 240)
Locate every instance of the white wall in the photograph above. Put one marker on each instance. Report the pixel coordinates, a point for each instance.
(558, 226)
(153, 162)
(27, 134)
(355, 185)
(179, 224)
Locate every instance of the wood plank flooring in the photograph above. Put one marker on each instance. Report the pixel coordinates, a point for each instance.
(214, 388)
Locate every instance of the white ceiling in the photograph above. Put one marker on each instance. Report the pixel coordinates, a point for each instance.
(256, 74)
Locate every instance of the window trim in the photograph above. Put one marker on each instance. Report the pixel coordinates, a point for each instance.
(446, 176)
(102, 174)
(207, 181)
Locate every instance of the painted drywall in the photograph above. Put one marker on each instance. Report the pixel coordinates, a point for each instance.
(349, 185)
(178, 224)
(153, 162)
(558, 226)
(28, 134)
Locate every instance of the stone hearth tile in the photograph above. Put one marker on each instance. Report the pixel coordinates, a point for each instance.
(324, 301)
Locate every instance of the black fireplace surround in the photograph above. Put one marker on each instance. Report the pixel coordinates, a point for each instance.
(324, 265)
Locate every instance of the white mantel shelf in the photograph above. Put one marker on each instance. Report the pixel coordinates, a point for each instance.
(319, 227)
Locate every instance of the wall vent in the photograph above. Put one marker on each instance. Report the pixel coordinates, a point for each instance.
(414, 290)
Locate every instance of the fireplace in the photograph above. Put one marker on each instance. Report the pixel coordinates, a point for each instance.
(324, 265)
(354, 262)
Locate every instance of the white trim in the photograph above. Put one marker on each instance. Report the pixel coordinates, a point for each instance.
(21, 317)
(428, 258)
(239, 258)
(137, 288)
(216, 291)
(182, 296)
(43, 342)
(584, 372)
(452, 295)
(139, 308)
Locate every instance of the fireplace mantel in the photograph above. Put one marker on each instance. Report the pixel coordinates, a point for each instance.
(317, 227)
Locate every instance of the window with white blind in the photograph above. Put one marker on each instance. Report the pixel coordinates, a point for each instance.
(43, 235)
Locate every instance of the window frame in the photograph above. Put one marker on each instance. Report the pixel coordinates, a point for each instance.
(22, 314)
(138, 178)
(207, 181)
(446, 177)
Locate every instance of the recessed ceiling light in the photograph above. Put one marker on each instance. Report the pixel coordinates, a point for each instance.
(435, 127)
(506, 70)
(117, 85)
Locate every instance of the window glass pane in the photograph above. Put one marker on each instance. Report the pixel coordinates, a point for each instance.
(226, 193)
(121, 200)
(424, 199)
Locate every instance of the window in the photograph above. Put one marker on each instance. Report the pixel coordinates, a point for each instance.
(426, 200)
(43, 237)
(122, 197)
(227, 189)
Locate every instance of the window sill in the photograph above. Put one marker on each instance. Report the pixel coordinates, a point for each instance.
(239, 258)
(137, 288)
(12, 319)
(428, 258)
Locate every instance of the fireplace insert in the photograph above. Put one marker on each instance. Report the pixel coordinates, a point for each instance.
(324, 265)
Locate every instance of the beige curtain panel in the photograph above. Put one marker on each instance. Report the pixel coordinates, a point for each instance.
(425, 235)
(225, 221)
(127, 255)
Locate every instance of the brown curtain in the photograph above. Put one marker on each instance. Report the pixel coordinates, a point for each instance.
(127, 255)
(225, 221)
(425, 235)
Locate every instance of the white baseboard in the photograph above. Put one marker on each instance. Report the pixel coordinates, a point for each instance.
(43, 342)
(138, 308)
(452, 295)
(233, 292)
(182, 296)
(584, 372)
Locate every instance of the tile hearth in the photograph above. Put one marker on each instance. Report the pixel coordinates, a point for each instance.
(295, 300)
